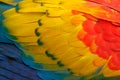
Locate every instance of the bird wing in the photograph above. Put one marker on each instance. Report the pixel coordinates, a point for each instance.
(65, 37)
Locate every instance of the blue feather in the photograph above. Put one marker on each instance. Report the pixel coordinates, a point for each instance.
(57, 75)
(11, 65)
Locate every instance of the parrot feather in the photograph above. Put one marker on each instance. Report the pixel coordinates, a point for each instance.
(66, 40)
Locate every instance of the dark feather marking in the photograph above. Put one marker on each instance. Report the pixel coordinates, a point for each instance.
(36, 32)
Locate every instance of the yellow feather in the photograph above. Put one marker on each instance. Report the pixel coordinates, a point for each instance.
(10, 2)
(47, 30)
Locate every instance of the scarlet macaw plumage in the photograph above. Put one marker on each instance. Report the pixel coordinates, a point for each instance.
(66, 40)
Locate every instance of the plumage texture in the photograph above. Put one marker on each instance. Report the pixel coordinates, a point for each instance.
(11, 65)
(67, 40)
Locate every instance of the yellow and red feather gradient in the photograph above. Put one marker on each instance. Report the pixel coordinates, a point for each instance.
(100, 31)
(103, 31)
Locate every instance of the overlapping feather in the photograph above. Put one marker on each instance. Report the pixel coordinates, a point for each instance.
(51, 33)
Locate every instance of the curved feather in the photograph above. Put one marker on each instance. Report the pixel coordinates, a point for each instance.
(60, 37)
